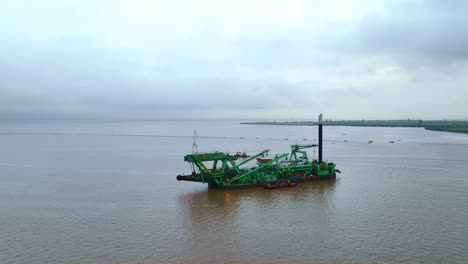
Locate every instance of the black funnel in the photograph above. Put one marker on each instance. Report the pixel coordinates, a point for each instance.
(320, 139)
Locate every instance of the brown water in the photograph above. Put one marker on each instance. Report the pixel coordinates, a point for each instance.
(80, 195)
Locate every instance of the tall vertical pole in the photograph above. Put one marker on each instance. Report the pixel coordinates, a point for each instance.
(320, 138)
(195, 145)
(194, 149)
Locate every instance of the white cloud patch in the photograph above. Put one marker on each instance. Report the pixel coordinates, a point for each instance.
(150, 59)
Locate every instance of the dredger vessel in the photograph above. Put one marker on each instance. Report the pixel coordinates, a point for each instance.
(220, 170)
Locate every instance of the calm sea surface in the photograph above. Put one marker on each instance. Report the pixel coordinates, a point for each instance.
(106, 193)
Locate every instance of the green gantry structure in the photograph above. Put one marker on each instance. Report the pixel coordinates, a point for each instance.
(221, 170)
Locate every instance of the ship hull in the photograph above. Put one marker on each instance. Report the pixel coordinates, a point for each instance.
(262, 185)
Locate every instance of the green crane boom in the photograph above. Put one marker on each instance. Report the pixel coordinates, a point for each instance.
(299, 149)
(238, 177)
(254, 157)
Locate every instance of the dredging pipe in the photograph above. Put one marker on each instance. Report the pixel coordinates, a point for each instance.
(186, 178)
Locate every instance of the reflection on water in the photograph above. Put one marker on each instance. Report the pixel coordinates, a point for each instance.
(228, 222)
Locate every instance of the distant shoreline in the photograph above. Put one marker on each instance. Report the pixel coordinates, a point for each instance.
(434, 125)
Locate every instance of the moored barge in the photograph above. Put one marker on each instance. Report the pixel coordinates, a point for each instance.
(220, 170)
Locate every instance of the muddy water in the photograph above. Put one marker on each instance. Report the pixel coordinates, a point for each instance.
(106, 192)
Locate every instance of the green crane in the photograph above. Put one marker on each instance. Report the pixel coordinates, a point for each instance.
(299, 149)
(224, 171)
(220, 170)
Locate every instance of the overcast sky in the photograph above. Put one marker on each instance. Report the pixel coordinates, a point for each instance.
(237, 59)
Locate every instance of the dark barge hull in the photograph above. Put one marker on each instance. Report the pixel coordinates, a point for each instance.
(261, 185)
(280, 185)
(314, 178)
(236, 187)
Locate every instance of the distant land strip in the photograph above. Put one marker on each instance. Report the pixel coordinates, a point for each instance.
(455, 126)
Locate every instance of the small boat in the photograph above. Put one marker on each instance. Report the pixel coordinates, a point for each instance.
(370, 141)
(296, 180)
(391, 142)
(241, 155)
(263, 160)
(278, 185)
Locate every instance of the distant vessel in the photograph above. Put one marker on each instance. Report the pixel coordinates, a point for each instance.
(221, 171)
(263, 160)
(241, 155)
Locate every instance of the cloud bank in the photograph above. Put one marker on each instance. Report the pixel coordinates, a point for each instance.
(261, 59)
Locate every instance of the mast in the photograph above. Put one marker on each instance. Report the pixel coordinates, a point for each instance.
(194, 149)
(195, 145)
(320, 140)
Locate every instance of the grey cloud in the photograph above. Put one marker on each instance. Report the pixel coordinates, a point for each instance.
(68, 70)
(417, 32)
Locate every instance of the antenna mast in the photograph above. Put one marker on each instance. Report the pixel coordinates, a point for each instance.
(195, 145)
